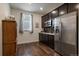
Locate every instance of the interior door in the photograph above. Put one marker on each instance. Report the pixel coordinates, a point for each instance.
(68, 43)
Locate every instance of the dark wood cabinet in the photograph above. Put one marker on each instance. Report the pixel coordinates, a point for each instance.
(51, 41)
(50, 15)
(42, 38)
(9, 37)
(45, 18)
(54, 13)
(73, 7)
(47, 39)
(63, 9)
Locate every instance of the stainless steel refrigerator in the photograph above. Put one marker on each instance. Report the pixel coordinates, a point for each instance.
(65, 34)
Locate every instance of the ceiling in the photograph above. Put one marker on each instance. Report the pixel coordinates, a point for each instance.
(35, 7)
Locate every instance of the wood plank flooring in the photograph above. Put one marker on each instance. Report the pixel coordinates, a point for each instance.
(35, 49)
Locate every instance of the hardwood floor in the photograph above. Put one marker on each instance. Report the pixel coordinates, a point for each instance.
(35, 49)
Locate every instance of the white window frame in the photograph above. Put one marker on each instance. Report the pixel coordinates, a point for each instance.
(26, 20)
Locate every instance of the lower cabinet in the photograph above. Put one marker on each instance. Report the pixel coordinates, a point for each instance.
(9, 49)
(51, 41)
(47, 39)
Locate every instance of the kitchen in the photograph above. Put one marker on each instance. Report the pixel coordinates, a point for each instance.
(36, 31)
(60, 29)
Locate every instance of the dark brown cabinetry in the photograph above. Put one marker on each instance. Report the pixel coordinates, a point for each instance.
(54, 13)
(9, 37)
(73, 7)
(51, 41)
(60, 11)
(45, 18)
(47, 39)
(63, 9)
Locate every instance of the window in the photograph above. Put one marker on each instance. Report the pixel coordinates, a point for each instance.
(26, 22)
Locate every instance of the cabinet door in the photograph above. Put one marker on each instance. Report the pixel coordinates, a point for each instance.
(72, 7)
(54, 13)
(63, 9)
(51, 41)
(47, 17)
(9, 37)
(9, 49)
(9, 31)
(40, 37)
(43, 20)
(46, 39)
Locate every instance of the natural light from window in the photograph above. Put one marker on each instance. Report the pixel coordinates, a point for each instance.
(27, 22)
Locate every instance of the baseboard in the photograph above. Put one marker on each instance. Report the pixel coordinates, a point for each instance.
(28, 43)
(24, 42)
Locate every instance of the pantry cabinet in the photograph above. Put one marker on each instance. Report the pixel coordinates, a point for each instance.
(9, 34)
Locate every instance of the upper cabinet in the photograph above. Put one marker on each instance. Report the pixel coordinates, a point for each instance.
(73, 7)
(54, 13)
(63, 9)
(45, 20)
(50, 15)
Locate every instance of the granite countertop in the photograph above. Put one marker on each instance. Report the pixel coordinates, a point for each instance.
(47, 33)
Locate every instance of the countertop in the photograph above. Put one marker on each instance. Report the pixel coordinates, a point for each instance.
(47, 33)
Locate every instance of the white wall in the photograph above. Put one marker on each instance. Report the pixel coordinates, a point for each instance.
(4, 11)
(27, 37)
